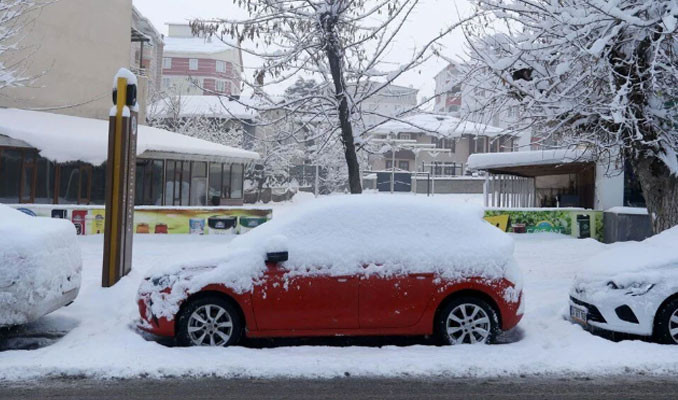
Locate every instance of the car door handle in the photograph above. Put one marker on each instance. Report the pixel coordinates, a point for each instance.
(342, 280)
(421, 277)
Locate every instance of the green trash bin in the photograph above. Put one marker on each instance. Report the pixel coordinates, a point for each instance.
(247, 223)
(584, 223)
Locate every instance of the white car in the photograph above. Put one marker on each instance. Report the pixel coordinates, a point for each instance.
(40, 265)
(632, 289)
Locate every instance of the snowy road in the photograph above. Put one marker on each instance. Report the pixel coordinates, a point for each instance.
(101, 341)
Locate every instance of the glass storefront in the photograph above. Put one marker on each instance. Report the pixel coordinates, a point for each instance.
(25, 177)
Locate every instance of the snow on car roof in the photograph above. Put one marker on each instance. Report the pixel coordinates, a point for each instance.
(341, 235)
(649, 260)
(437, 125)
(486, 161)
(63, 138)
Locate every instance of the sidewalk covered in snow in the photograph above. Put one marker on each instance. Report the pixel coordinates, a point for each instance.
(58, 159)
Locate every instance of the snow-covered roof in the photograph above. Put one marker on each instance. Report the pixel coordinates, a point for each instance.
(437, 125)
(63, 138)
(486, 161)
(196, 45)
(208, 106)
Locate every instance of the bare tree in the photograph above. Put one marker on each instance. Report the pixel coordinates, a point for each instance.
(598, 74)
(14, 15)
(343, 44)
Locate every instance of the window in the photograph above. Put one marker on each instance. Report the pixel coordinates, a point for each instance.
(73, 189)
(221, 86)
(185, 183)
(389, 164)
(149, 178)
(404, 165)
(10, 171)
(166, 83)
(177, 183)
(193, 64)
(198, 184)
(405, 136)
(215, 184)
(226, 183)
(221, 66)
(44, 186)
(167, 63)
(27, 184)
(236, 181)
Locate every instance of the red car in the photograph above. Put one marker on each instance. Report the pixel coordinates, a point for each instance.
(349, 266)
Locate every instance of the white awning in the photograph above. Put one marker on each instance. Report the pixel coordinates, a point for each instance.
(63, 138)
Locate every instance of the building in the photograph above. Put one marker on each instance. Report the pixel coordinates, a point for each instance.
(448, 91)
(435, 143)
(200, 66)
(390, 101)
(147, 53)
(72, 49)
(49, 158)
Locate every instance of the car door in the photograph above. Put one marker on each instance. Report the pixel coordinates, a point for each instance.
(395, 301)
(284, 302)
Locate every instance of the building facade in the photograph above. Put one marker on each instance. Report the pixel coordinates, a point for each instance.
(72, 49)
(200, 66)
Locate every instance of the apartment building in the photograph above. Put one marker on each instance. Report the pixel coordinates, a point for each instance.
(194, 65)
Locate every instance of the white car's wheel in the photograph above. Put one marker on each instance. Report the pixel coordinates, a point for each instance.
(209, 321)
(468, 320)
(666, 327)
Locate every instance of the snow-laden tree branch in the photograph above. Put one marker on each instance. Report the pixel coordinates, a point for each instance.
(13, 20)
(602, 74)
(342, 44)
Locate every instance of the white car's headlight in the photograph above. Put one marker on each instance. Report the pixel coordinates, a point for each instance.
(634, 289)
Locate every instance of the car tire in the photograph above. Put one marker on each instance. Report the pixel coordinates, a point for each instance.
(667, 320)
(467, 320)
(209, 321)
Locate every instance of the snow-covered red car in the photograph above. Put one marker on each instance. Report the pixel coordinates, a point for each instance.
(631, 289)
(347, 265)
(40, 265)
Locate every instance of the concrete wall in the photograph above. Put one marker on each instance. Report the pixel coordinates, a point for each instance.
(609, 186)
(75, 47)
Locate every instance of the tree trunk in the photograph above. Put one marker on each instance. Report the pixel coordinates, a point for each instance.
(334, 58)
(660, 189)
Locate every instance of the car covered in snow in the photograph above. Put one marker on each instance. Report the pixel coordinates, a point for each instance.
(347, 265)
(40, 266)
(632, 289)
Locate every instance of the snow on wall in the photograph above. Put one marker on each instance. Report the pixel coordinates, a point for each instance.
(39, 260)
(207, 106)
(63, 138)
(196, 45)
(347, 235)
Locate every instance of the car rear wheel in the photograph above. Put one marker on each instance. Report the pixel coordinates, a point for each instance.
(467, 320)
(666, 327)
(209, 321)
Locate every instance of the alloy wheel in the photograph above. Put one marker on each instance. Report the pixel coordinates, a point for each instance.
(673, 326)
(468, 323)
(210, 325)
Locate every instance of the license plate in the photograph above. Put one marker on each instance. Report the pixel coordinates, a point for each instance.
(578, 314)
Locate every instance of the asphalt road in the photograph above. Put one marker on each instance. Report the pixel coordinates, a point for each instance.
(348, 388)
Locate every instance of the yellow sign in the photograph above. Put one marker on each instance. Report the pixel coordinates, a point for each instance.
(500, 221)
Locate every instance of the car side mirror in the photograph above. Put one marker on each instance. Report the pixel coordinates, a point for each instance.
(277, 257)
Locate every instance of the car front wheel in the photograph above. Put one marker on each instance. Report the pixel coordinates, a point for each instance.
(209, 321)
(468, 320)
(666, 328)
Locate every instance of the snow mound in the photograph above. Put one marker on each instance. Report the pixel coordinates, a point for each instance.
(347, 235)
(39, 261)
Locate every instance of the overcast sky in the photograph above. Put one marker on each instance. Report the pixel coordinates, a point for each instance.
(430, 17)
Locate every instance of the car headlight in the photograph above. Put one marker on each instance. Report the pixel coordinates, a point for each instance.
(634, 289)
(162, 281)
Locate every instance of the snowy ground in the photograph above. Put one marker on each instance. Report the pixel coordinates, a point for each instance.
(101, 340)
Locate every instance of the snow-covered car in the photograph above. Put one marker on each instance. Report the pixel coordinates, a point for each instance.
(347, 265)
(631, 289)
(40, 265)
